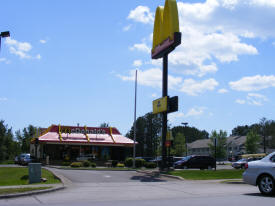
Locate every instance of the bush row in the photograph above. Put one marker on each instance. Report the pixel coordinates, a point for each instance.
(80, 164)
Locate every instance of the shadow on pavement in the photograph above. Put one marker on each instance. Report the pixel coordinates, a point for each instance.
(259, 195)
(148, 178)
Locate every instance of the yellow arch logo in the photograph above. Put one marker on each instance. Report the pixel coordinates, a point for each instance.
(166, 28)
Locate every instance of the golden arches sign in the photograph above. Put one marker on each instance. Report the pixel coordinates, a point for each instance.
(166, 29)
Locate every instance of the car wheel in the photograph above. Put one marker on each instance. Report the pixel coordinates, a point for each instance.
(209, 167)
(266, 185)
(185, 167)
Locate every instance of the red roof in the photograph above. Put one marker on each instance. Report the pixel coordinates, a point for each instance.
(84, 135)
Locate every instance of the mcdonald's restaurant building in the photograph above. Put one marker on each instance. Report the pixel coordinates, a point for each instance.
(69, 142)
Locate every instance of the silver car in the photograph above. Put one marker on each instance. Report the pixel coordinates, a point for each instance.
(261, 173)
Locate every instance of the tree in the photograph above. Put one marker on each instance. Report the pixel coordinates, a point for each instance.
(221, 144)
(252, 142)
(148, 129)
(178, 148)
(191, 133)
(104, 125)
(8, 147)
(25, 137)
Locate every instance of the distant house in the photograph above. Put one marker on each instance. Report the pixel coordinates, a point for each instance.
(199, 147)
(235, 146)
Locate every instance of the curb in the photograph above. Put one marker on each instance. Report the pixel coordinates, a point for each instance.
(101, 169)
(32, 192)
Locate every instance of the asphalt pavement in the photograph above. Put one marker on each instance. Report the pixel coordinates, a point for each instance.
(108, 188)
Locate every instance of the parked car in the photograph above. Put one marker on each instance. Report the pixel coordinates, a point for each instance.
(240, 164)
(195, 161)
(261, 173)
(21, 157)
(158, 160)
(26, 159)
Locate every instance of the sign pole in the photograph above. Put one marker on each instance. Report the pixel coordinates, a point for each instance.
(135, 126)
(164, 114)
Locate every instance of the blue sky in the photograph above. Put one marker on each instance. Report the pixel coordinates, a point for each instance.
(72, 62)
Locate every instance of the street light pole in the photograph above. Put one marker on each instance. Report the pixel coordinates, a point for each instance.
(185, 124)
(135, 124)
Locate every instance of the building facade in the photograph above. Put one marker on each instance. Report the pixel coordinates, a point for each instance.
(70, 142)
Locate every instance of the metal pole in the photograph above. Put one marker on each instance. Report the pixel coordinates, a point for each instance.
(215, 154)
(164, 114)
(135, 126)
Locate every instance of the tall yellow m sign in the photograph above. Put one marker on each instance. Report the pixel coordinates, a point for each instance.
(166, 35)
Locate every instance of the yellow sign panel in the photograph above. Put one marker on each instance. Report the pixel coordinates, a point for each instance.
(160, 105)
(166, 22)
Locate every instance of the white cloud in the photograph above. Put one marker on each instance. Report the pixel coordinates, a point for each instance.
(141, 14)
(4, 60)
(256, 99)
(3, 99)
(253, 99)
(127, 28)
(240, 101)
(253, 83)
(137, 63)
(20, 49)
(151, 77)
(172, 117)
(43, 41)
(222, 91)
(196, 111)
(192, 87)
(215, 31)
(141, 47)
(193, 112)
(154, 95)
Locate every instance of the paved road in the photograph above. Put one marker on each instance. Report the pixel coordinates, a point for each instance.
(131, 188)
(92, 176)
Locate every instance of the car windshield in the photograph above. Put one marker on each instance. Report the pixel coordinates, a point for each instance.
(186, 158)
(242, 160)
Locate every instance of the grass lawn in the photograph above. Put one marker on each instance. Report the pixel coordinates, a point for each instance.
(19, 190)
(208, 174)
(19, 176)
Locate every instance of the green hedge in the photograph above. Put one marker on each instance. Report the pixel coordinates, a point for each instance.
(76, 164)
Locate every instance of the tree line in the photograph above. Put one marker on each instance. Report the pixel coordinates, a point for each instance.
(12, 145)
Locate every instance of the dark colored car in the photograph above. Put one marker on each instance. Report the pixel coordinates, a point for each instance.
(195, 161)
(158, 160)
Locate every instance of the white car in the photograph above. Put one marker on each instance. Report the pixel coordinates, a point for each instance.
(261, 173)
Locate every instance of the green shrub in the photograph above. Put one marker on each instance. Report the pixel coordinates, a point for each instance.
(86, 163)
(140, 163)
(66, 163)
(76, 164)
(150, 165)
(128, 162)
(93, 164)
(114, 163)
(120, 165)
